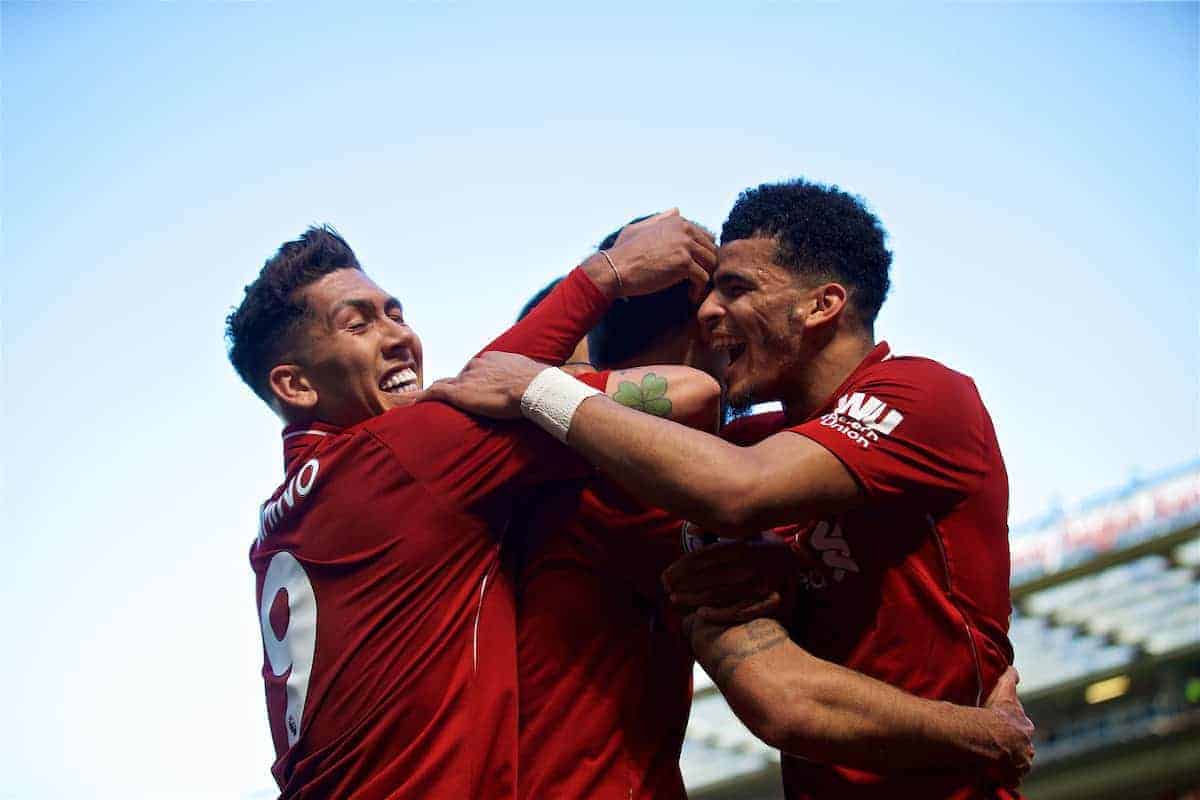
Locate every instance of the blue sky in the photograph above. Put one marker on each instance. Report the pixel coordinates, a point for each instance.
(1036, 167)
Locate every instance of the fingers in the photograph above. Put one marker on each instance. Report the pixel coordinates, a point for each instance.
(705, 580)
(631, 230)
(707, 585)
(647, 222)
(703, 261)
(701, 245)
(697, 283)
(720, 589)
(723, 558)
(743, 612)
(702, 238)
(696, 563)
(438, 390)
(1003, 701)
(718, 596)
(1005, 689)
(703, 257)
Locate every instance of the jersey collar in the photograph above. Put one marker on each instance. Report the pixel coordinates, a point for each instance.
(300, 438)
(881, 352)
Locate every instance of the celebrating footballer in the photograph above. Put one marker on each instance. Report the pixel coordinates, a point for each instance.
(496, 586)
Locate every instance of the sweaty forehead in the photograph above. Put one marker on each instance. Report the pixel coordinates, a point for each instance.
(752, 258)
(343, 286)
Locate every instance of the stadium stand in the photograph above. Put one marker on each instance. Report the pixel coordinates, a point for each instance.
(1106, 630)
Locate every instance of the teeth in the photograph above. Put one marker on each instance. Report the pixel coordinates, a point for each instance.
(404, 380)
(725, 343)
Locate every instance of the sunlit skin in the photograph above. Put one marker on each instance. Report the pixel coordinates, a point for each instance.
(354, 343)
(753, 312)
(793, 338)
(789, 338)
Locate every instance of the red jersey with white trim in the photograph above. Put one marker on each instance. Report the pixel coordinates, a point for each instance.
(600, 651)
(388, 625)
(605, 673)
(911, 588)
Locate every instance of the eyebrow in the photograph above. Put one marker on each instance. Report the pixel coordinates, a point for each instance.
(725, 278)
(366, 307)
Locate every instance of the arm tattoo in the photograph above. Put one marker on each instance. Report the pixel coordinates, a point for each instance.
(760, 635)
(650, 396)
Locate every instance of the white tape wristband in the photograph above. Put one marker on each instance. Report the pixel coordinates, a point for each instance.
(550, 401)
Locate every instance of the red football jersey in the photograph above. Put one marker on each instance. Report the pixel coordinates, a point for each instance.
(912, 588)
(605, 673)
(388, 624)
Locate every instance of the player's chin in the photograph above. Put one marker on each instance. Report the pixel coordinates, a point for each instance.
(739, 398)
(746, 389)
(739, 386)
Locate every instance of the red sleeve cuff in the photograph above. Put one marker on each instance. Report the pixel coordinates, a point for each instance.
(550, 332)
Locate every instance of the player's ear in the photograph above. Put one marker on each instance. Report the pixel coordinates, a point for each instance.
(291, 387)
(825, 304)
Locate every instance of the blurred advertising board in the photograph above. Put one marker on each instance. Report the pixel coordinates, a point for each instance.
(1151, 508)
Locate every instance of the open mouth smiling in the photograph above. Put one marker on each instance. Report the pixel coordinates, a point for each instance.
(735, 347)
(399, 381)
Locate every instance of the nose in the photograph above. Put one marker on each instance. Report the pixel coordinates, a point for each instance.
(399, 339)
(710, 312)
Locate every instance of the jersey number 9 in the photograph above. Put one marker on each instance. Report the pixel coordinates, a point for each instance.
(295, 648)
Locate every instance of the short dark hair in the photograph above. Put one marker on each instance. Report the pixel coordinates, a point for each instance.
(822, 232)
(260, 330)
(633, 324)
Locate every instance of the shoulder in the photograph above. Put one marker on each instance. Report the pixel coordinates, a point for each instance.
(917, 380)
(420, 426)
(916, 369)
(914, 399)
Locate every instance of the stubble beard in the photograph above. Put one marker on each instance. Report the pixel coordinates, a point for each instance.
(777, 351)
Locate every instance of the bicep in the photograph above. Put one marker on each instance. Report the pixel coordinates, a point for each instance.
(678, 393)
(792, 478)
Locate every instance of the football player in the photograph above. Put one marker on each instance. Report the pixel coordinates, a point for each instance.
(885, 473)
(387, 623)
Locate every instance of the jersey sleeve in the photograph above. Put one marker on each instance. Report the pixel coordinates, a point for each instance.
(908, 429)
(550, 332)
(471, 461)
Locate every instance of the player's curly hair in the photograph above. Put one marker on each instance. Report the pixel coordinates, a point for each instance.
(823, 233)
(633, 324)
(260, 330)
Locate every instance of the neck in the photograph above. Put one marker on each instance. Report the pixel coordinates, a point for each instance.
(823, 373)
(295, 420)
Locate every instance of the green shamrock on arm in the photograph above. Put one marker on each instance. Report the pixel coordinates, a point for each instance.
(649, 397)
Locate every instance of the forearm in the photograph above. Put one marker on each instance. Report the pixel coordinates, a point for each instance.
(550, 332)
(818, 710)
(666, 465)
